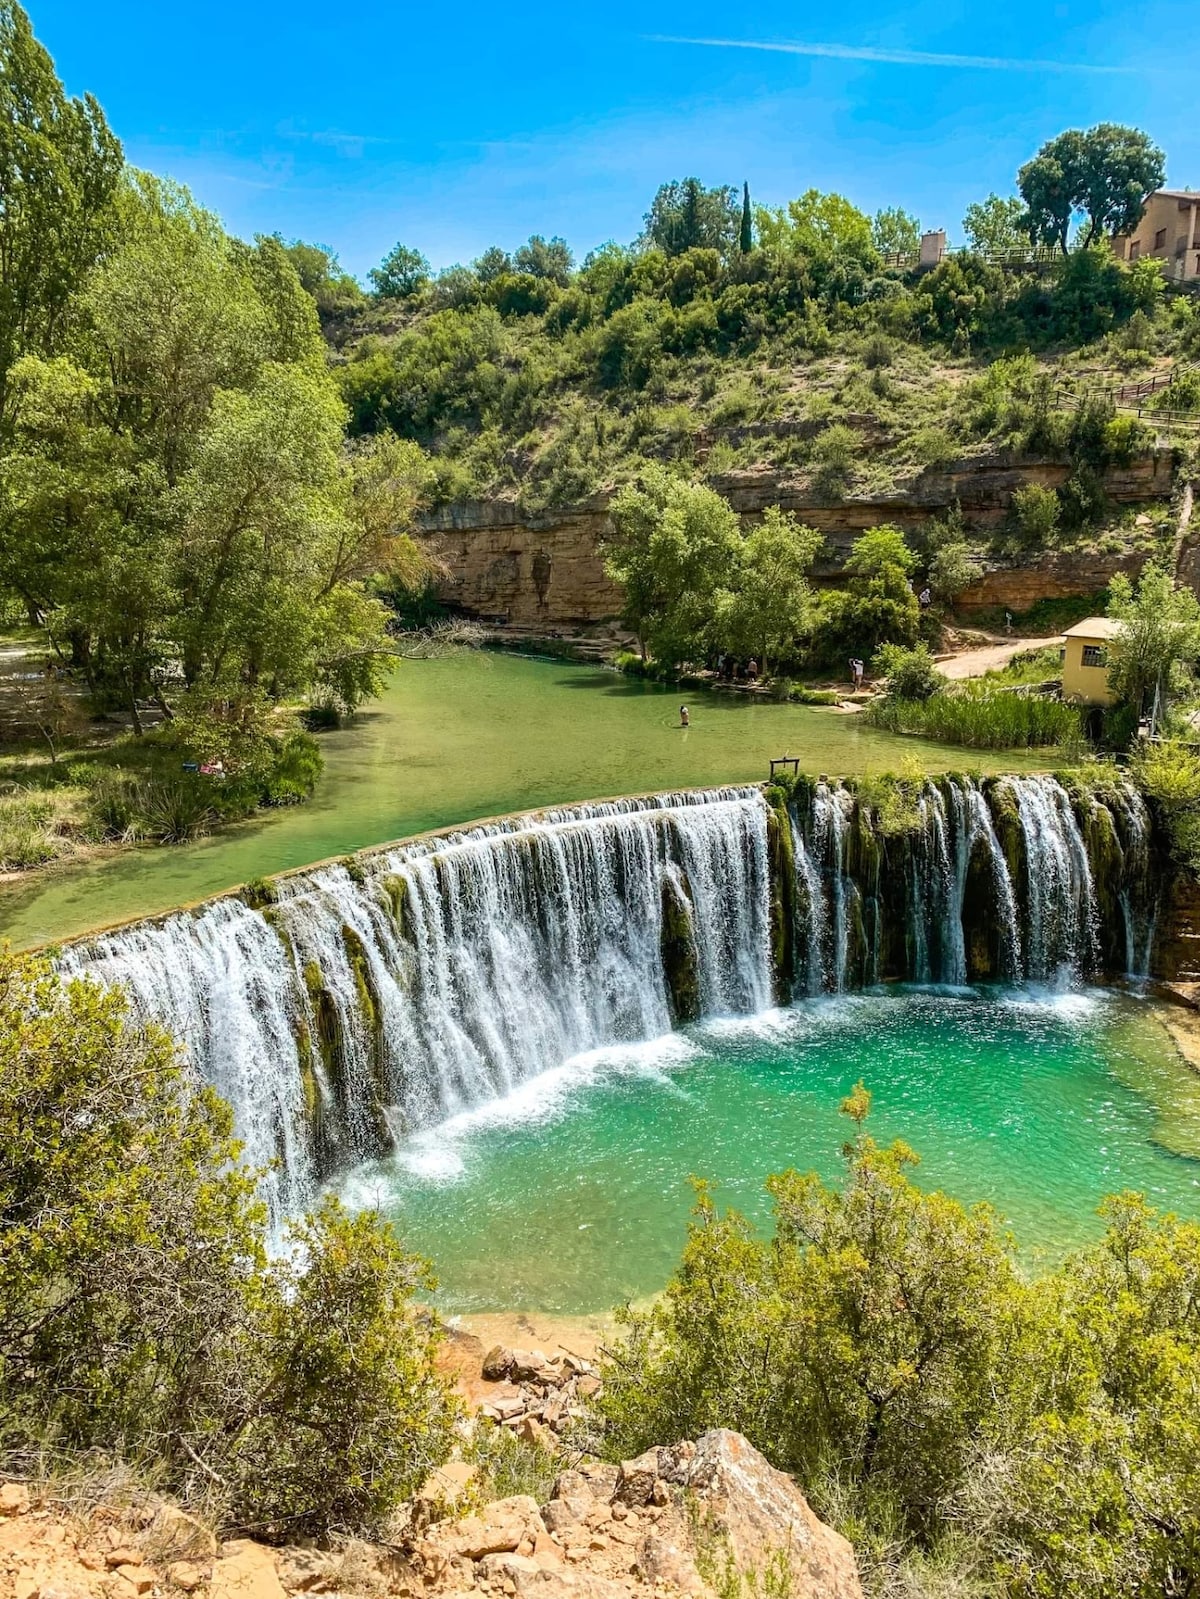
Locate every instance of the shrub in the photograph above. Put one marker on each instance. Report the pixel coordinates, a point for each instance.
(139, 1315)
(1168, 774)
(911, 674)
(1034, 515)
(877, 351)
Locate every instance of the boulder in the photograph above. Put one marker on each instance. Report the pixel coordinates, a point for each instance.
(497, 1363)
(245, 1571)
(664, 1561)
(14, 1499)
(571, 1485)
(138, 1579)
(174, 1535)
(759, 1512)
(185, 1576)
(499, 1528)
(636, 1479)
(566, 1512)
(448, 1485)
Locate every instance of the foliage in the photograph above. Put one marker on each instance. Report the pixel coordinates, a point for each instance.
(59, 167)
(1168, 774)
(877, 607)
(139, 1315)
(884, 1348)
(982, 716)
(509, 1465)
(952, 569)
(820, 225)
(1154, 660)
(997, 225)
(770, 604)
(687, 216)
(674, 549)
(1034, 515)
(402, 273)
(1103, 174)
(895, 232)
(911, 674)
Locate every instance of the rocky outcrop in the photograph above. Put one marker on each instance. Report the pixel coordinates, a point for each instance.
(696, 1519)
(705, 1519)
(1177, 933)
(544, 571)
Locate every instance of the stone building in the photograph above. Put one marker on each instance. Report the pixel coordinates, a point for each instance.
(1168, 232)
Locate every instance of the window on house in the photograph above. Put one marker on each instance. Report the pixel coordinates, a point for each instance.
(1095, 655)
(1135, 249)
(1160, 239)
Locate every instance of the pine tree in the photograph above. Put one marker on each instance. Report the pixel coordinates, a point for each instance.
(746, 237)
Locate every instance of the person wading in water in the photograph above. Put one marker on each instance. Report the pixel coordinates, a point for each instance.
(685, 719)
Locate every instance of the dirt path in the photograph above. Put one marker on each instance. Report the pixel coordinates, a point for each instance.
(988, 657)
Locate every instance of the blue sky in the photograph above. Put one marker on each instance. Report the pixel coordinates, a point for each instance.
(456, 127)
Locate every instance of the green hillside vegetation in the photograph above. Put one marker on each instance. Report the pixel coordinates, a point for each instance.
(811, 352)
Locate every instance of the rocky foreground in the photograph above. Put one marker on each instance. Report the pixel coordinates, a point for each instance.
(697, 1519)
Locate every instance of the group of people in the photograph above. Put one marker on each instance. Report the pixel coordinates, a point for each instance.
(731, 670)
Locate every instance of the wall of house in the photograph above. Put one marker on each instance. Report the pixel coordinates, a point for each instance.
(1086, 683)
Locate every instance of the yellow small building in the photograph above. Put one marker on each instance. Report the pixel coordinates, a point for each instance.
(1086, 648)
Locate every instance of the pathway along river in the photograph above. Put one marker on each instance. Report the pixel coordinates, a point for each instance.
(477, 734)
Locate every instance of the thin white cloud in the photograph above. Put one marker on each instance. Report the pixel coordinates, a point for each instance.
(895, 58)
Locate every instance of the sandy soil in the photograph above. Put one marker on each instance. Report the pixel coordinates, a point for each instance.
(472, 1336)
(986, 657)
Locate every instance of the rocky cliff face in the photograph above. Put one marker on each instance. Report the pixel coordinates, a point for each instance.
(544, 570)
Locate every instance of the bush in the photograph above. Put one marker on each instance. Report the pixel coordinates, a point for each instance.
(911, 674)
(139, 1316)
(1034, 516)
(1168, 774)
(965, 1426)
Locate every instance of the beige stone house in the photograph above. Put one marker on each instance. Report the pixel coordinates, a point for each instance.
(1169, 232)
(1085, 660)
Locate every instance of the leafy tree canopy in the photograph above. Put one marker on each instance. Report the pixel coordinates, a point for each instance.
(818, 224)
(1103, 175)
(684, 215)
(997, 225)
(402, 273)
(895, 231)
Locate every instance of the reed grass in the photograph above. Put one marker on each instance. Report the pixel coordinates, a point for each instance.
(981, 717)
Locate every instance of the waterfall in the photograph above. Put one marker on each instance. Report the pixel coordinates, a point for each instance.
(374, 998)
(355, 1003)
(989, 880)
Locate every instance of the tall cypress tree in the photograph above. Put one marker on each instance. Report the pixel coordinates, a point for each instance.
(746, 236)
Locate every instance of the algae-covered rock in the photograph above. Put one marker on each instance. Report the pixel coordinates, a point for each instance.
(680, 958)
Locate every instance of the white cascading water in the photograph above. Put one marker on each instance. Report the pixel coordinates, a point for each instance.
(1054, 897)
(371, 1001)
(524, 943)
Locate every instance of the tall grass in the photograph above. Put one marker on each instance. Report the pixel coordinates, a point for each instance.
(983, 717)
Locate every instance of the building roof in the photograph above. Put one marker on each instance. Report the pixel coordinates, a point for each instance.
(1179, 194)
(1095, 627)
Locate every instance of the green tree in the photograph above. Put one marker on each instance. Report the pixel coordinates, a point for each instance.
(1103, 175)
(542, 258)
(1154, 659)
(770, 607)
(895, 231)
(684, 215)
(337, 293)
(139, 1316)
(402, 273)
(746, 230)
(674, 549)
(817, 224)
(867, 1333)
(997, 225)
(952, 569)
(59, 167)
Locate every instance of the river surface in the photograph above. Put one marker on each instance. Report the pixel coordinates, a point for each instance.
(471, 735)
(572, 1194)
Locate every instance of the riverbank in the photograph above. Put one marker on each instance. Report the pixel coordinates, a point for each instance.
(477, 734)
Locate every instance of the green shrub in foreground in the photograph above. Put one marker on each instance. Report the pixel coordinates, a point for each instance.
(139, 1314)
(1041, 1438)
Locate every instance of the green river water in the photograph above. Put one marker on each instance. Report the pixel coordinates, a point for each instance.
(471, 735)
(572, 1195)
